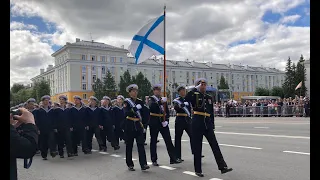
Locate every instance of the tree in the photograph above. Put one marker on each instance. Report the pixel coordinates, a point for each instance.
(125, 81)
(223, 84)
(16, 87)
(143, 84)
(288, 85)
(40, 89)
(260, 91)
(23, 95)
(98, 89)
(109, 85)
(277, 91)
(300, 76)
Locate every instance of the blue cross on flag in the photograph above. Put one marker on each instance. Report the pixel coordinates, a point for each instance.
(148, 41)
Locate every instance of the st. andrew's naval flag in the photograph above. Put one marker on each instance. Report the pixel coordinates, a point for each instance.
(149, 40)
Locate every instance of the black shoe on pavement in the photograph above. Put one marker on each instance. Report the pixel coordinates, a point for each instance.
(61, 156)
(177, 161)
(155, 163)
(199, 174)
(53, 154)
(45, 158)
(116, 148)
(70, 155)
(145, 144)
(180, 159)
(131, 168)
(225, 170)
(145, 167)
(158, 141)
(202, 156)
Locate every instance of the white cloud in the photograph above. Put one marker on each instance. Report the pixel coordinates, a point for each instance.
(18, 26)
(197, 30)
(290, 19)
(27, 55)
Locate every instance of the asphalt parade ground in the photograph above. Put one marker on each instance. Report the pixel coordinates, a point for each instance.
(256, 149)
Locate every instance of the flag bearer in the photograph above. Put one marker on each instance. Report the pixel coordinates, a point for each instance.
(158, 124)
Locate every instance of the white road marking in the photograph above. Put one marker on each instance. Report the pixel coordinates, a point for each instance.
(184, 140)
(215, 179)
(205, 142)
(149, 163)
(264, 135)
(172, 130)
(133, 159)
(115, 155)
(249, 122)
(261, 127)
(245, 147)
(172, 139)
(103, 153)
(167, 167)
(294, 152)
(218, 126)
(190, 173)
(124, 158)
(94, 150)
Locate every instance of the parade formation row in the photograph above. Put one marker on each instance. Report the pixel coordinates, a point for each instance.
(67, 124)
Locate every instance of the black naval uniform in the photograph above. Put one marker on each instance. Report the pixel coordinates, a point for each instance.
(63, 125)
(203, 125)
(155, 124)
(119, 118)
(134, 126)
(94, 121)
(146, 115)
(45, 124)
(107, 124)
(78, 117)
(182, 123)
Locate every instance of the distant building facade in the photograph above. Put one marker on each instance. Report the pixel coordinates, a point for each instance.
(79, 64)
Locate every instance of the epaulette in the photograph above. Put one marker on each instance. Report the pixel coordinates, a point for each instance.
(139, 99)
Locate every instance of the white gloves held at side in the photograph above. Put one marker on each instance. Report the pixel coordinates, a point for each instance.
(138, 106)
(164, 99)
(186, 103)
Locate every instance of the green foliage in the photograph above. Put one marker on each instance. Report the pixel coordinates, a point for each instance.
(277, 91)
(223, 84)
(16, 87)
(125, 81)
(109, 85)
(294, 75)
(40, 89)
(260, 91)
(143, 84)
(98, 89)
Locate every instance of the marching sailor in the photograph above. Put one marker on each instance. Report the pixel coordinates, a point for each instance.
(134, 127)
(203, 125)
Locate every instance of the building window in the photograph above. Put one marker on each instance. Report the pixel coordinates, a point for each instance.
(84, 96)
(84, 86)
(83, 77)
(120, 59)
(94, 78)
(112, 59)
(112, 70)
(84, 69)
(103, 58)
(83, 57)
(103, 70)
(93, 69)
(93, 58)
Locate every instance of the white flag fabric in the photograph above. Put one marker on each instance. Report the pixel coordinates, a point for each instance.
(299, 85)
(148, 41)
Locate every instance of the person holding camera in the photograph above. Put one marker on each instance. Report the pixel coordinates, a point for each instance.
(22, 145)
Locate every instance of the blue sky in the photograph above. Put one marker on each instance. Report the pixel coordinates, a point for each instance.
(225, 33)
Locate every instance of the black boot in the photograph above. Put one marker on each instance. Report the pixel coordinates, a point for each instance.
(131, 168)
(199, 174)
(176, 161)
(225, 170)
(145, 167)
(155, 163)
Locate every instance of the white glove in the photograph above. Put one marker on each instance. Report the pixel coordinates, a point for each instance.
(164, 99)
(165, 123)
(144, 130)
(186, 103)
(138, 106)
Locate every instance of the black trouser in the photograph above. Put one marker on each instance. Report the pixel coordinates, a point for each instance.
(79, 134)
(203, 127)
(180, 126)
(227, 112)
(107, 133)
(96, 131)
(145, 134)
(154, 131)
(64, 138)
(47, 142)
(129, 138)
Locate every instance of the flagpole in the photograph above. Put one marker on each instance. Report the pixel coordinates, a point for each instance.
(164, 59)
